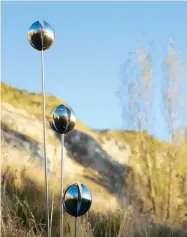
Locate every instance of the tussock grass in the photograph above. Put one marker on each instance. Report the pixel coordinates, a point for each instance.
(23, 213)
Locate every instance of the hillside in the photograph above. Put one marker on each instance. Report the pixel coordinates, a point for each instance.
(86, 151)
(122, 167)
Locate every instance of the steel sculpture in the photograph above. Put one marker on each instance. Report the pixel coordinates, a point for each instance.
(77, 201)
(41, 36)
(62, 120)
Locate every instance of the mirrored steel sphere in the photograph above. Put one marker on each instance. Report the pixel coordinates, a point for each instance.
(41, 36)
(77, 200)
(62, 119)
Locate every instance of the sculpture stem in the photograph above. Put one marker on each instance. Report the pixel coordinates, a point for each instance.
(44, 140)
(76, 226)
(62, 185)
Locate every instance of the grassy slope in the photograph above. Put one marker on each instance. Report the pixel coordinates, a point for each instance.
(32, 103)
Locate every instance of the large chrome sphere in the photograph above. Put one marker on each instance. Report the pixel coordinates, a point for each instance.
(62, 119)
(77, 200)
(41, 36)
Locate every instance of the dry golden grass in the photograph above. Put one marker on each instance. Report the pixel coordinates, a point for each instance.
(23, 210)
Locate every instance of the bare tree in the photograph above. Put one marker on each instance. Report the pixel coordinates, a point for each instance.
(157, 163)
(135, 95)
(173, 110)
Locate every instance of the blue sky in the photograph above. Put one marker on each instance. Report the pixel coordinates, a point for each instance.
(93, 40)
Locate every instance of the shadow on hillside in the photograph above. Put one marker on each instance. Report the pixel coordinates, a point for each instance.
(21, 141)
(9, 134)
(87, 152)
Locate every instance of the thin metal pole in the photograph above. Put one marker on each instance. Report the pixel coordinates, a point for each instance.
(76, 226)
(62, 186)
(44, 137)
